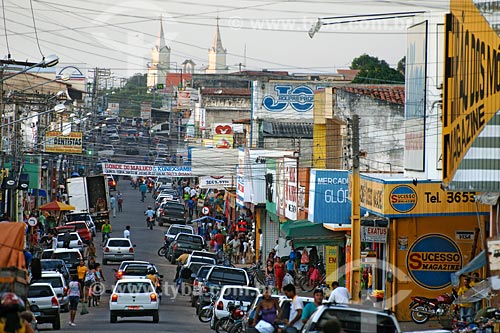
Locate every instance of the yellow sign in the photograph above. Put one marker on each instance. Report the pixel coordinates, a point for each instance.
(471, 89)
(56, 142)
(403, 198)
(332, 264)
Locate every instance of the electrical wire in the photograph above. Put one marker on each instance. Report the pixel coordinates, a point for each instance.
(34, 27)
(5, 29)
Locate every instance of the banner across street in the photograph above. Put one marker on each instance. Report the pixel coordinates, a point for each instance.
(146, 170)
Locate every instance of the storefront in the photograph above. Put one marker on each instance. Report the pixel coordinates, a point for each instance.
(430, 234)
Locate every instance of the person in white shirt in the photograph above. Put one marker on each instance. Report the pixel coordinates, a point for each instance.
(339, 295)
(294, 323)
(276, 249)
(126, 232)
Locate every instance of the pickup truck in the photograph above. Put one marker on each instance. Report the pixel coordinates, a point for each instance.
(171, 212)
(184, 242)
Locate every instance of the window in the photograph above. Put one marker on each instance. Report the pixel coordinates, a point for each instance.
(55, 281)
(136, 270)
(203, 260)
(240, 294)
(226, 276)
(175, 231)
(191, 239)
(118, 243)
(39, 291)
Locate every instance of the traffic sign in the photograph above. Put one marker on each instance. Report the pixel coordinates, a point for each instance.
(32, 221)
(205, 210)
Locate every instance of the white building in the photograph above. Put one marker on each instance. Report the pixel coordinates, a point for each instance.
(217, 55)
(160, 61)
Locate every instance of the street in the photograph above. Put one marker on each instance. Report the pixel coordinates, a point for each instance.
(176, 315)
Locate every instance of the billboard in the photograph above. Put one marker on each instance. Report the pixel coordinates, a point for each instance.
(146, 110)
(146, 170)
(220, 182)
(328, 197)
(415, 96)
(56, 142)
(291, 184)
(470, 141)
(114, 109)
(223, 136)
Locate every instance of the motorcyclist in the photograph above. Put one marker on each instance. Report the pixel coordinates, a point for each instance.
(150, 214)
(154, 278)
(11, 307)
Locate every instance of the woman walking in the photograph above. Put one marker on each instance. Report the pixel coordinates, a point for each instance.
(279, 273)
(74, 298)
(269, 274)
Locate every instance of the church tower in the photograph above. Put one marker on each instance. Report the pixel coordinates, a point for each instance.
(160, 61)
(217, 55)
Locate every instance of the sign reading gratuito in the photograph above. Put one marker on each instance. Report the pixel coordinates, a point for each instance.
(146, 170)
(431, 259)
(56, 142)
(472, 84)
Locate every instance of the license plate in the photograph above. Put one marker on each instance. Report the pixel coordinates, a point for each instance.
(36, 314)
(133, 307)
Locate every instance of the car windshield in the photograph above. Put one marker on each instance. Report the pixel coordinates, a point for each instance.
(119, 242)
(68, 257)
(175, 231)
(136, 270)
(133, 288)
(51, 265)
(54, 281)
(77, 217)
(228, 276)
(189, 238)
(203, 260)
(355, 321)
(202, 272)
(39, 291)
(240, 294)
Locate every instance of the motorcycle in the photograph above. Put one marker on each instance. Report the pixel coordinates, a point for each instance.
(206, 312)
(236, 315)
(150, 222)
(162, 251)
(423, 308)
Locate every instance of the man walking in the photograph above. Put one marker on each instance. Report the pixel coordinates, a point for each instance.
(143, 188)
(294, 323)
(120, 201)
(112, 203)
(339, 295)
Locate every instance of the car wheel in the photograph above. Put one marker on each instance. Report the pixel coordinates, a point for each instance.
(56, 325)
(112, 317)
(156, 317)
(172, 260)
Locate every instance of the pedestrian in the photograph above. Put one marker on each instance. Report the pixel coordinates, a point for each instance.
(219, 240)
(74, 293)
(10, 316)
(466, 309)
(81, 271)
(90, 279)
(120, 201)
(311, 307)
(269, 309)
(106, 230)
(112, 203)
(279, 273)
(276, 249)
(245, 250)
(143, 188)
(235, 244)
(294, 323)
(66, 239)
(126, 232)
(91, 253)
(270, 274)
(339, 295)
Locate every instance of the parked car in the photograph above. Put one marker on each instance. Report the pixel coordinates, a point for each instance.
(106, 151)
(249, 317)
(171, 212)
(75, 241)
(71, 257)
(82, 229)
(175, 229)
(131, 148)
(74, 217)
(58, 283)
(118, 249)
(197, 278)
(55, 265)
(204, 254)
(132, 298)
(188, 274)
(44, 304)
(217, 277)
(353, 319)
(184, 242)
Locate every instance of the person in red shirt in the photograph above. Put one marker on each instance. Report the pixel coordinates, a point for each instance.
(219, 240)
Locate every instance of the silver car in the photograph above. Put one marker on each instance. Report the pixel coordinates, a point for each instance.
(118, 249)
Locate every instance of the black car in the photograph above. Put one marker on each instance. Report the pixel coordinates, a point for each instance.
(55, 265)
(132, 149)
(171, 212)
(184, 242)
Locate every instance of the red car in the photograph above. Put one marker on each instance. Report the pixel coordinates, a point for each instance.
(82, 229)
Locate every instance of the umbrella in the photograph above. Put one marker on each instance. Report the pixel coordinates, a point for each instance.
(57, 205)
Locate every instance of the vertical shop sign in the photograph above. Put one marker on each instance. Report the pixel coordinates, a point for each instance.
(331, 256)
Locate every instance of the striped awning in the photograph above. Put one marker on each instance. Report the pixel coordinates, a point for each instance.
(479, 170)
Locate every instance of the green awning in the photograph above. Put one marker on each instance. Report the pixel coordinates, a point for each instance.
(304, 232)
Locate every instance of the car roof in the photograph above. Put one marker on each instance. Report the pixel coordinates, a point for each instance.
(64, 250)
(231, 268)
(132, 280)
(227, 286)
(41, 284)
(51, 274)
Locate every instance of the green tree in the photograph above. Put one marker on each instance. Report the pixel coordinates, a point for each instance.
(373, 70)
(402, 65)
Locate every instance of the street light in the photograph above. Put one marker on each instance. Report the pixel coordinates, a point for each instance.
(48, 61)
(58, 109)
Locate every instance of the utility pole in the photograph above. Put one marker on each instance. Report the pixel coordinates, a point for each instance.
(355, 213)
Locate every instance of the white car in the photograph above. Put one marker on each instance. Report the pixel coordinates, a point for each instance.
(58, 283)
(76, 241)
(118, 249)
(134, 298)
(239, 295)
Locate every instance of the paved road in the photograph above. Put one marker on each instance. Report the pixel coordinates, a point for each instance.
(176, 315)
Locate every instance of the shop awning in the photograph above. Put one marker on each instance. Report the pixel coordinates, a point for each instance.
(475, 264)
(304, 232)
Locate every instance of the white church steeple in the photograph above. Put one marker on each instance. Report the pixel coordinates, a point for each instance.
(217, 55)
(160, 60)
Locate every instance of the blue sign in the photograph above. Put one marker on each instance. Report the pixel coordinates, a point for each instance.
(300, 98)
(431, 259)
(328, 195)
(403, 198)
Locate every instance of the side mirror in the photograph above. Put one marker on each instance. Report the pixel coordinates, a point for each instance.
(134, 245)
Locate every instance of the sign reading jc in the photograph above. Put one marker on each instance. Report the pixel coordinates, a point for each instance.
(431, 259)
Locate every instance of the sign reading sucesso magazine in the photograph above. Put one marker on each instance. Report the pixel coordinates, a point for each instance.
(146, 170)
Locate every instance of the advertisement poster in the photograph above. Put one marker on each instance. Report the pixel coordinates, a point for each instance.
(56, 142)
(331, 257)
